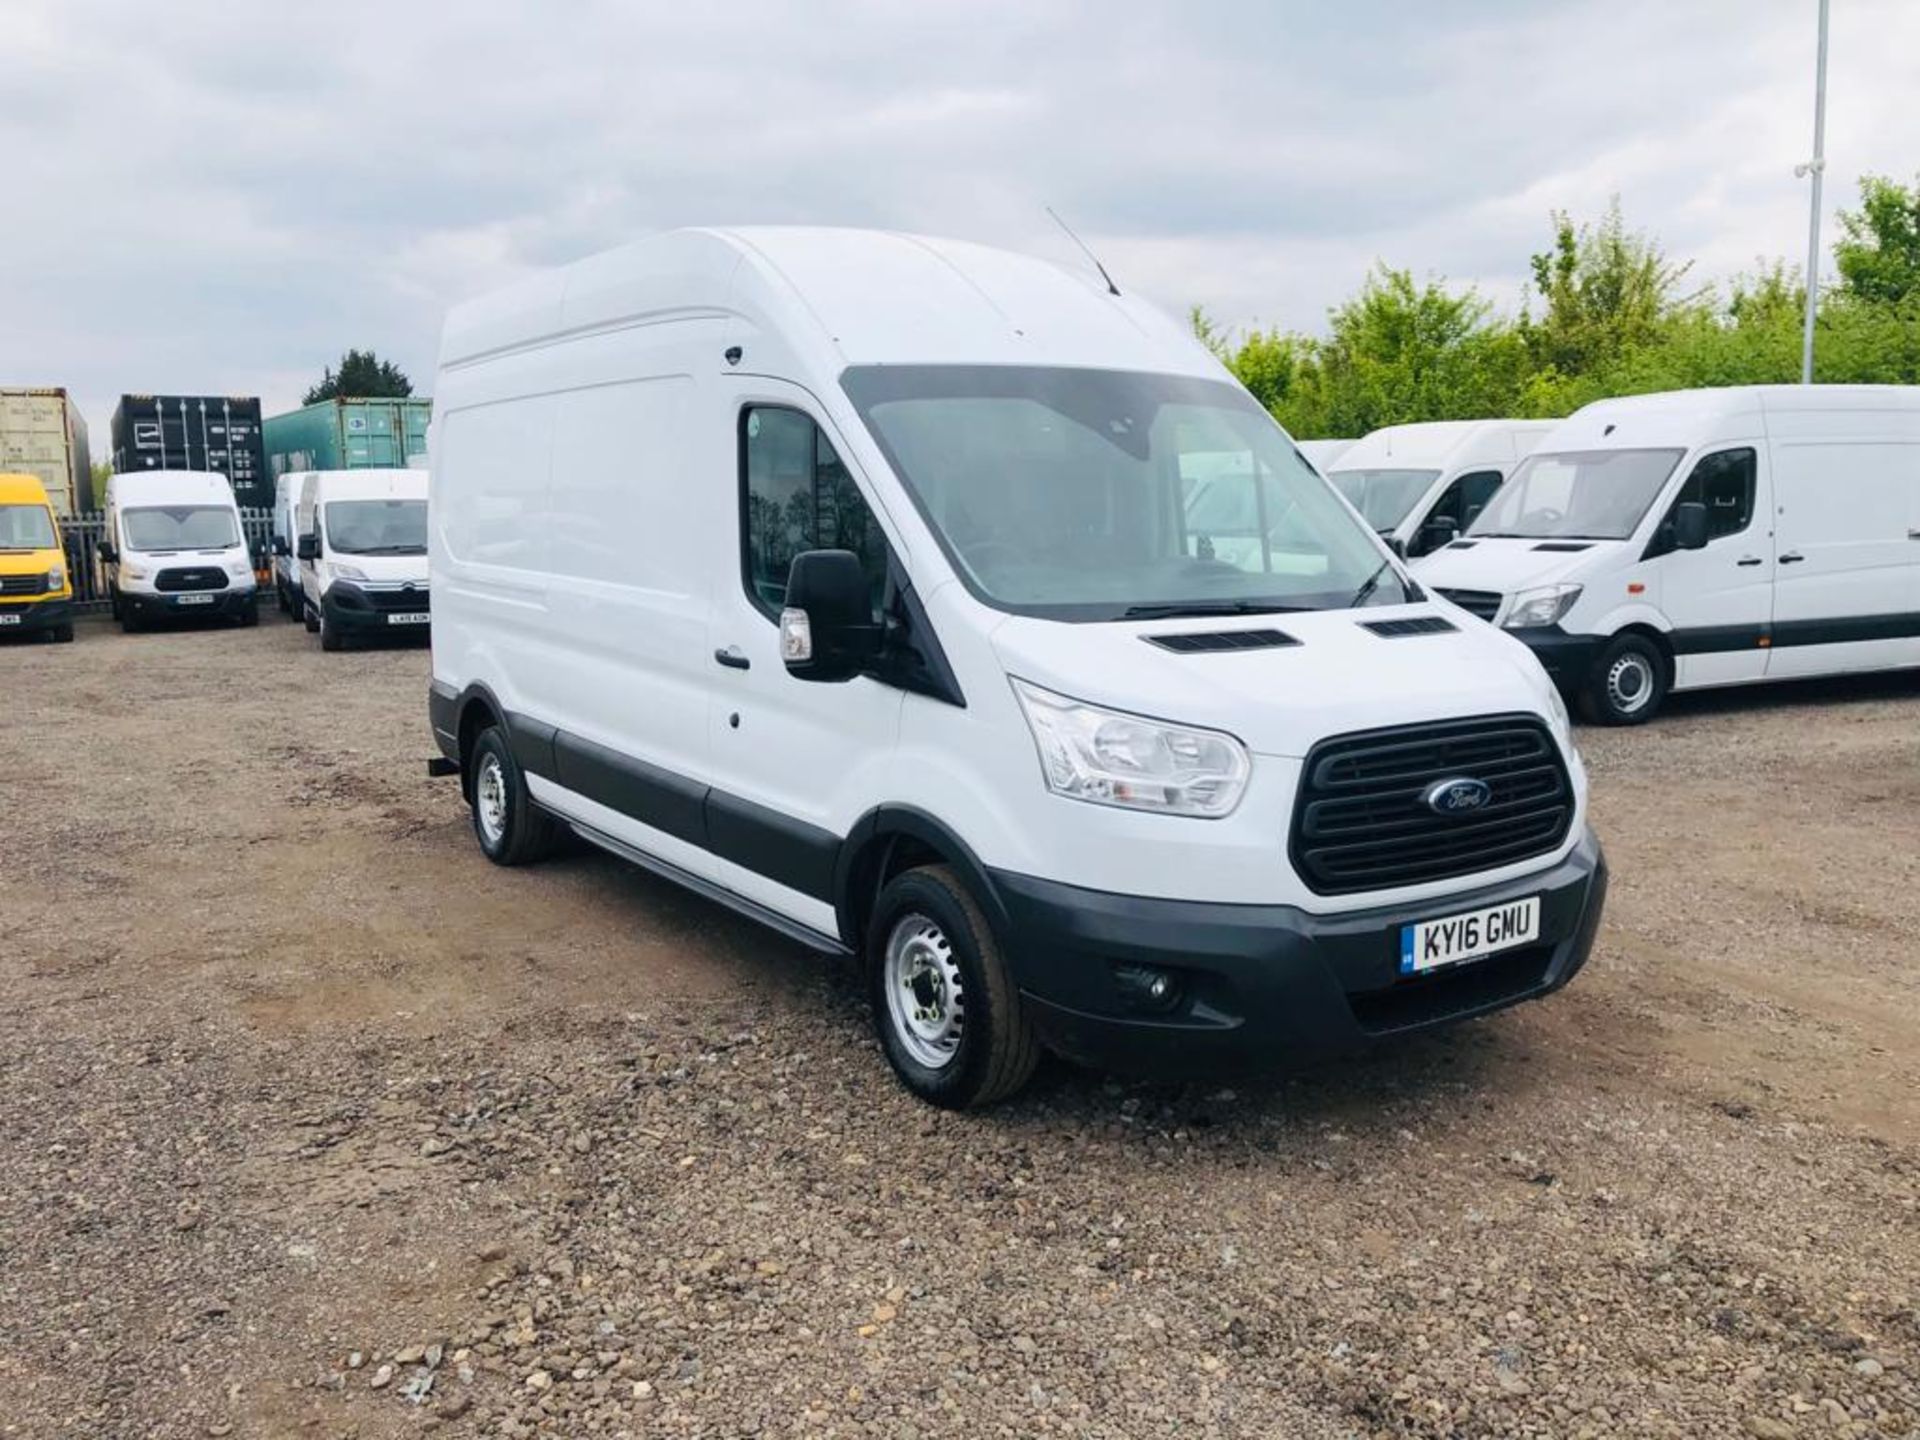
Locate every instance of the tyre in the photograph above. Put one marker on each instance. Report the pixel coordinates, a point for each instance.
(1628, 683)
(949, 1016)
(330, 636)
(511, 829)
(310, 620)
(62, 634)
(251, 615)
(280, 599)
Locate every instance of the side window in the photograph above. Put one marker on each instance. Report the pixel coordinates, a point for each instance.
(1724, 483)
(1462, 503)
(797, 495)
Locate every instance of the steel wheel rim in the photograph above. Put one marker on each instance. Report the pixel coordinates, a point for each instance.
(1630, 683)
(926, 1001)
(490, 799)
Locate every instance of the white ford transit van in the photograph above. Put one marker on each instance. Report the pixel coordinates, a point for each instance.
(174, 547)
(1705, 537)
(1420, 485)
(853, 580)
(361, 540)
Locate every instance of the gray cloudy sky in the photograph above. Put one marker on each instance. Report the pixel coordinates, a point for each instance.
(222, 197)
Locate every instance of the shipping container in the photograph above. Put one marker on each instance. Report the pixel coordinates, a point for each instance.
(347, 434)
(43, 435)
(220, 433)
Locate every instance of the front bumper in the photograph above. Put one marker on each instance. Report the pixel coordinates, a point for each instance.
(186, 604)
(349, 608)
(1262, 985)
(1567, 659)
(18, 617)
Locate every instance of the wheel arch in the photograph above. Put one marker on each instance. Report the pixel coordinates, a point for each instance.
(474, 711)
(891, 839)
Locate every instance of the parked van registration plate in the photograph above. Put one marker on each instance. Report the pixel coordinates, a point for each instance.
(193, 599)
(9, 619)
(1430, 944)
(409, 617)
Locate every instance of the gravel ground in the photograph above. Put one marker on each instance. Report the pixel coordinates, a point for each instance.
(312, 1123)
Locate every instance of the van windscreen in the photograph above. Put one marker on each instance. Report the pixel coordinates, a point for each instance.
(1082, 494)
(26, 527)
(377, 527)
(1577, 495)
(179, 527)
(1383, 496)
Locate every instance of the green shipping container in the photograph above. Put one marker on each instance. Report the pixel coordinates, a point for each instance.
(349, 435)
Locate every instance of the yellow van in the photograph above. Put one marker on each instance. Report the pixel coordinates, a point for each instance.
(36, 593)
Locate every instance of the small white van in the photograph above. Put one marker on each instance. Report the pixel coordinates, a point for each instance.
(1420, 485)
(286, 533)
(1322, 453)
(174, 547)
(937, 605)
(360, 537)
(1702, 538)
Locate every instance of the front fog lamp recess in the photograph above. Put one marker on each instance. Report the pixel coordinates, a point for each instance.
(1107, 757)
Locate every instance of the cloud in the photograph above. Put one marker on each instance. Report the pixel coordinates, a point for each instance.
(224, 206)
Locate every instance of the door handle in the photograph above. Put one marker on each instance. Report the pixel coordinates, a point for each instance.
(1792, 557)
(1913, 534)
(1749, 560)
(734, 658)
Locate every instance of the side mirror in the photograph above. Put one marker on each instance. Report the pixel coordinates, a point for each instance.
(1690, 526)
(827, 630)
(280, 545)
(1438, 531)
(106, 552)
(307, 547)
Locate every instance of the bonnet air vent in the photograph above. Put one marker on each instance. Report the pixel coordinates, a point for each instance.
(1562, 547)
(1416, 625)
(1202, 642)
(1463, 544)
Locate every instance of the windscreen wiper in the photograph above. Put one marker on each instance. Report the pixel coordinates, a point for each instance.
(1365, 592)
(1177, 609)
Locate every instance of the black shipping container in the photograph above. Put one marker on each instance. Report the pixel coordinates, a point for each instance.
(220, 433)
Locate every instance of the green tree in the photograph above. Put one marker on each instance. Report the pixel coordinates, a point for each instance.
(1878, 256)
(1607, 291)
(362, 376)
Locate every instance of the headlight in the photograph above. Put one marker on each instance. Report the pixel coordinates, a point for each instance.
(348, 572)
(132, 572)
(1543, 606)
(239, 567)
(1109, 758)
(56, 577)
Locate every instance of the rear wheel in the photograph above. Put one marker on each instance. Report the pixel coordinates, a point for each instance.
(949, 1016)
(511, 828)
(1628, 683)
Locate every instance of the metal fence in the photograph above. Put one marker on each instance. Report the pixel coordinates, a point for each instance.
(81, 535)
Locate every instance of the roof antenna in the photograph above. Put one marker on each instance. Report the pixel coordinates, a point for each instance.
(1112, 289)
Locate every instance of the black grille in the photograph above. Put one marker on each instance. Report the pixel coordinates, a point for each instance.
(34, 584)
(1415, 625)
(400, 600)
(195, 577)
(1484, 604)
(1362, 823)
(1222, 640)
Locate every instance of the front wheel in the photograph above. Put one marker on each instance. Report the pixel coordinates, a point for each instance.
(511, 828)
(1628, 683)
(250, 614)
(62, 634)
(949, 1015)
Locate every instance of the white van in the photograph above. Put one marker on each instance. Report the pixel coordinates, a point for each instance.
(1420, 485)
(851, 580)
(286, 533)
(174, 546)
(361, 540)
(1322, 453)
(1705, 537)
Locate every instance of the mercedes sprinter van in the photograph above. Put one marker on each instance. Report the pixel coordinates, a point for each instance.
(36, 592)
(174, 547)
(1420, 485)
(854, 580)
(1705, 537)
(1322, 453)
(362, 547)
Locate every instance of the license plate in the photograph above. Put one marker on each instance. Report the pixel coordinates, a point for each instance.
(9, 619)
(1430, 944)
(409, 617)
(193, 599)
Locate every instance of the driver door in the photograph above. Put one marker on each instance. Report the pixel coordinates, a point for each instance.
(1719, 599)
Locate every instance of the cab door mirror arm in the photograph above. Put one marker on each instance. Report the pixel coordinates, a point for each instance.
(827, 629)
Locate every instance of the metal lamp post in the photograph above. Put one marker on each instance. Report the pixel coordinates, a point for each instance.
(1815, 167)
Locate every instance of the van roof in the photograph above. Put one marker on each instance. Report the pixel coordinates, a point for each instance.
(1429, 443)
(22, 490)
(1686, 417)
(164, 485)
(369, 484)
(841, 297)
